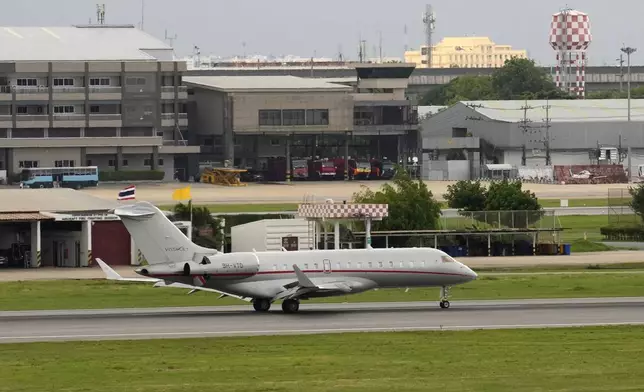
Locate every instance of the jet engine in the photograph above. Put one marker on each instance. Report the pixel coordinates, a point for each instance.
(231, 266)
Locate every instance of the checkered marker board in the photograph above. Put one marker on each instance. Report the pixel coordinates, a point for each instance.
(570, 30)
(343, 211)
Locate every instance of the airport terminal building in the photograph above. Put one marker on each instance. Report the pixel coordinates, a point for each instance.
(98, 95)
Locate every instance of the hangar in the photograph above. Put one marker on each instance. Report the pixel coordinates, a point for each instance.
(458, 142)
(60, 228)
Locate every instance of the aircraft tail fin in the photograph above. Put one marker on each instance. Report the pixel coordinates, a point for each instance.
(156, 236)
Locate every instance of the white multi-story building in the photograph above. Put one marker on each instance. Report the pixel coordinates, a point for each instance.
(102, 95)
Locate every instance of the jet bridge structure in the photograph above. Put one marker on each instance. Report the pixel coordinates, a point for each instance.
(329, 211)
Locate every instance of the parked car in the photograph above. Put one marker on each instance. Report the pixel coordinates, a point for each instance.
(362, 170)
(251, 175)
(322, 169)
(300, 169)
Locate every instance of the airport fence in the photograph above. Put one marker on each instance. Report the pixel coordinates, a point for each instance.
(619, 212)
(499, 220)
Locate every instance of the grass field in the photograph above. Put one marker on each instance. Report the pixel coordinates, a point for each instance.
(96, 294)
(279, 207)
(575, 359)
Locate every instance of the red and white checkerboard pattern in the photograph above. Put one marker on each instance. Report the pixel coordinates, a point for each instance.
(343, 211)
(570, 30)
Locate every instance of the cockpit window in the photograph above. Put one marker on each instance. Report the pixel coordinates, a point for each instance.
(447, 259)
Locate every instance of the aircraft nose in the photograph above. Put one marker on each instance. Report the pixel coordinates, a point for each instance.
(468, 272)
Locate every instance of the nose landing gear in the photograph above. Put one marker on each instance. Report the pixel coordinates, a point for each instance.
(444, 303)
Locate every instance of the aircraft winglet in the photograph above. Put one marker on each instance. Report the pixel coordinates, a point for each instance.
(110, 274)
(302, 279)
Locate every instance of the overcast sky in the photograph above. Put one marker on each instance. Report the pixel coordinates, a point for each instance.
(323, 28)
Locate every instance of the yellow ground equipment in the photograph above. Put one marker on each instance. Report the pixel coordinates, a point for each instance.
(222, 176)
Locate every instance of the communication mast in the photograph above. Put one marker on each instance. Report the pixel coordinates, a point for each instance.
(100, 14)
(429, 19)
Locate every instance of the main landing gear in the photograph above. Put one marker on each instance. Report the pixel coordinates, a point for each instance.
(290, 306)
(261, 305)
(444, 295)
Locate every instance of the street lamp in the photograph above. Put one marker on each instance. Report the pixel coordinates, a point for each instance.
(628, 50)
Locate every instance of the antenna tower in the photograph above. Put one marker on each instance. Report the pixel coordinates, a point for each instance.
(406, 39)
(170, 39)
(100, 14)
(429, 19)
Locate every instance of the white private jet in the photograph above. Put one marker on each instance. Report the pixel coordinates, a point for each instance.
(265, 277)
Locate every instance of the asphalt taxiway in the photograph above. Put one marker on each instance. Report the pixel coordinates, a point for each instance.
(165, 323)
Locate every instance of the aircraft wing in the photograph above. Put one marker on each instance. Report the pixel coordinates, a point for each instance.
(304, 285)
(110, 274)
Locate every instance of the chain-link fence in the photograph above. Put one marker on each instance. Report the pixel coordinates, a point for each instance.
(619, 211)
(500, 220)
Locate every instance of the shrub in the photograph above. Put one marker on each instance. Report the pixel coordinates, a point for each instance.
(623, 232)
(131, 175)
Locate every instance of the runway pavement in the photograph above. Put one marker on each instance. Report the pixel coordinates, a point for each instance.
(110, 324)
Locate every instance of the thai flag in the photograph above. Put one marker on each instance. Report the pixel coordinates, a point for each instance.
(127, 193)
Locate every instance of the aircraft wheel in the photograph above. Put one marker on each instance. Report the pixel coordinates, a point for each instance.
(261, 305)
(291, 306)
(444, 304)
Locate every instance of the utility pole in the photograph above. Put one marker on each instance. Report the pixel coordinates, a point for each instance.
(621, 73)
(525, 126)
(629, 51)
(547, 141)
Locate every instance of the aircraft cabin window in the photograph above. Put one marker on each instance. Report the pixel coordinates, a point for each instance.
(402, 264)
(359, 265)
(447, 259)
(411, 264)
(422, 263)
(315, 266)
(337, 266)
(370, 265)
(274, 267)
(349, 264)
(391, 264)
(285, 267)
(380, 264)
(306, 267)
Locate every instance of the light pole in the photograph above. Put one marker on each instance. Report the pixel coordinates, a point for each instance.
(628, 50)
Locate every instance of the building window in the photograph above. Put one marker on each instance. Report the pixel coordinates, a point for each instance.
(125, 162)
(293, 117)
(94, 109)
(63, 82)
(275, 142)
(99, 81)
(27, 164)
(317, 117)
(110, 163)
(89, 162)
(27, 82)
(64, 163)
(63, 109)
(133, 81)
(270, 117)
(160, 161)
(21, 110)
(147, 162)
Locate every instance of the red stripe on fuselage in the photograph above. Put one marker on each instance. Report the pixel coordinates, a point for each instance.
(319, 272)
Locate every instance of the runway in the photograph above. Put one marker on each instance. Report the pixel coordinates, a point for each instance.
(164, 323)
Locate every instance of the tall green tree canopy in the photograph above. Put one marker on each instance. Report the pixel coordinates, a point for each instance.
(201, 219)
(411, 204)
(487, 204)
(517, 79)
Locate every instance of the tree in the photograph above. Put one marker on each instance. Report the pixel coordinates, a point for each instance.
(411, 205)
(488, 204)
(522, 79)
(517, 79)
(463, 88)
(637, 200)
(201, 219)
(636, 93)
(466, 196)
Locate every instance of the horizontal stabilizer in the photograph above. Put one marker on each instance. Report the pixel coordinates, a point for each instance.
(110, 274)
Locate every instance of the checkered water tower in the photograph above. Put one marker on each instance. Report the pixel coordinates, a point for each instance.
(570, 37)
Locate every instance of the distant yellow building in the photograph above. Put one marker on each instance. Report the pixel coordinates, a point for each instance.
(465, 52)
